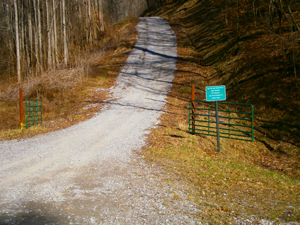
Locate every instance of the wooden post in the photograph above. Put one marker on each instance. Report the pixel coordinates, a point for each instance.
(21, 109)
(193, 108)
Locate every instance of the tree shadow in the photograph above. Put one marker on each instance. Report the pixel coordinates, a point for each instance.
(273, 94)
(136, 106)
(30, 213)
(155, 53)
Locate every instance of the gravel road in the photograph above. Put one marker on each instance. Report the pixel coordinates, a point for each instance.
(89, 173)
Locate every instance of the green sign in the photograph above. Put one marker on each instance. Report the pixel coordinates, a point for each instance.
(215, 93)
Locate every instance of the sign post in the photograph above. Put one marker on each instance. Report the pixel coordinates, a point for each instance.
(193, 107)
(216, 93)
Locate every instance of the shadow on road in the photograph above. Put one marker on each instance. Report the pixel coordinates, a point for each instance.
(30, 213)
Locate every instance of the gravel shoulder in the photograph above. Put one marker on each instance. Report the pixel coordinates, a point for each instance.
(89, 173)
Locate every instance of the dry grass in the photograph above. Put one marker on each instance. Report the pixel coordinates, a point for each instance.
(67, 92)
(243, 180)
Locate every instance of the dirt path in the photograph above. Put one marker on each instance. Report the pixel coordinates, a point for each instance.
(88, 173)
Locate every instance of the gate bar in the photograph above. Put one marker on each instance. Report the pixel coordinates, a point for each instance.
(218, 131)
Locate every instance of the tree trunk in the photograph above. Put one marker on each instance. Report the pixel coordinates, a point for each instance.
(238, 19)
(30, 33)
(86, 23)
(65, 33)
(292, 15)
(294, 57)
(40, 35)
(55, 32)
(95, 7)
(23, 42)
(89, 21)
(17, 42)
(8, 19)
(254, 13)
(81, 41)
(49, 59)
(100, 5)
(36, 37)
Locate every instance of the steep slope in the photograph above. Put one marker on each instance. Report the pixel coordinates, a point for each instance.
(257, 180)
(257, 60)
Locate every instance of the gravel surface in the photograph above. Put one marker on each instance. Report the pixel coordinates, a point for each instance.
(89, 173)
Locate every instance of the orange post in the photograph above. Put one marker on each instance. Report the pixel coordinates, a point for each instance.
(193, 108)
(21, 109)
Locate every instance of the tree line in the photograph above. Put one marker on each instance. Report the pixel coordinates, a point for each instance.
(41, 34)
(37, 35)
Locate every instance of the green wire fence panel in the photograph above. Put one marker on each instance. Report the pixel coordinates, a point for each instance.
(235, 119)
(34, 109)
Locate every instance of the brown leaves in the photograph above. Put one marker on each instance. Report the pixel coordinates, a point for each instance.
(281, 164)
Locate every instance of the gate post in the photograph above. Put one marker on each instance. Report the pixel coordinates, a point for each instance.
(21, 108)
(217, 126)
(193, 108)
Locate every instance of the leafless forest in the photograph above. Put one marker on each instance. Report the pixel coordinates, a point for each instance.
(37, 35)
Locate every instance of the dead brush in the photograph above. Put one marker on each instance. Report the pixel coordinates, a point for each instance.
(48, 82)
(53, 80)
(51, 87)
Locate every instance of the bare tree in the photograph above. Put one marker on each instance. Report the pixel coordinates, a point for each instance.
(66, 53)
(288, 3)
(17, 41)
(39, 19)
(101, 21)
(55, 32)
(40, 34)
(49, 57)
(30, 33)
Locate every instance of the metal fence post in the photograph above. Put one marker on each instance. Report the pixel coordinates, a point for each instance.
(217, 124)
(252, 121)
(193, 108)
(208, 125)
(31, 112)
(229, 120)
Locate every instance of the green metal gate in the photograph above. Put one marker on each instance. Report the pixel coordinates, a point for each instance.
(235, 119)
(34, 108)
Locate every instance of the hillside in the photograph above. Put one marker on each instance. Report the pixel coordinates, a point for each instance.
(258, 64)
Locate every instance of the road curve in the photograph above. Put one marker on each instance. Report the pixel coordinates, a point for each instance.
(48, 173)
